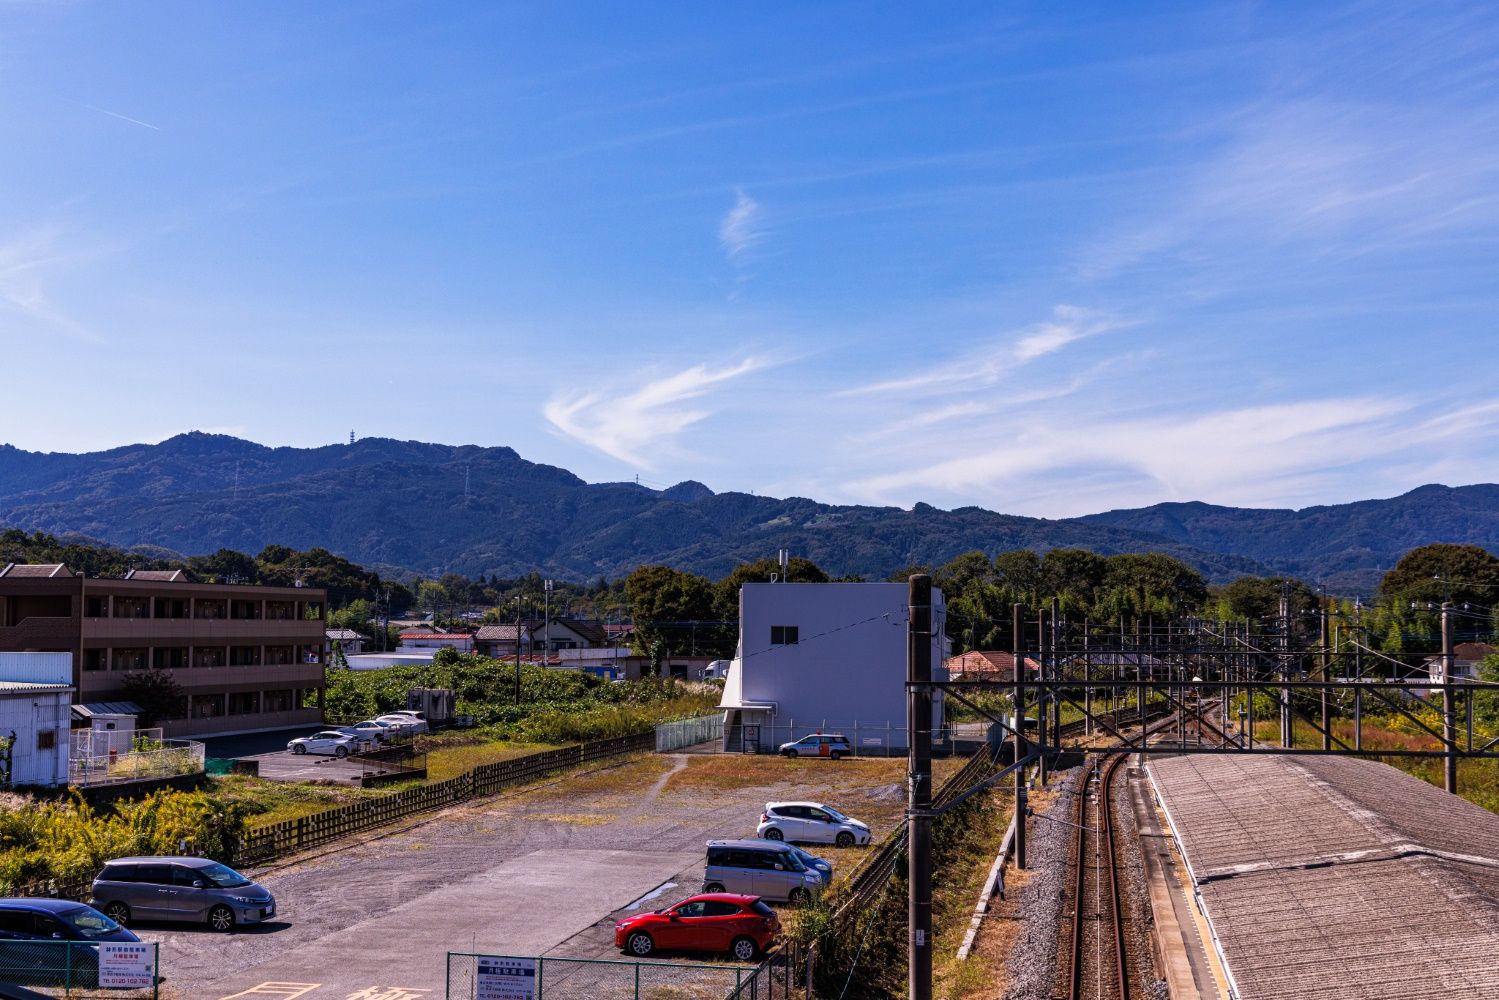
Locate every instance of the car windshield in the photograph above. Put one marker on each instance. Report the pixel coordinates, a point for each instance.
(835, 814)
(794, 863)
(804, 857)
(223, 876)
(89, 923)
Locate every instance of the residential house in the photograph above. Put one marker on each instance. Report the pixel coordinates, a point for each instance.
(1465, 659)
(351, 642)
(434, 639)
(824, 657)
(988, 665)
(248, 658)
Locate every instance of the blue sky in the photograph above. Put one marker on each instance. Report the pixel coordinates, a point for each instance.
(1042, 258)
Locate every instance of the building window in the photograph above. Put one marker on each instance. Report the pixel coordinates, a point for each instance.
(210, 610)
(128, 659)
(207, 706)
(208, 656)
(95, 659)
(279, 655)
(96, 607)
(171, 607)
(169, 657)
(132, 607)
(46, 739)
(244, 703)
(244, 656)
(278, 701)
(784, 635)
(244, 610)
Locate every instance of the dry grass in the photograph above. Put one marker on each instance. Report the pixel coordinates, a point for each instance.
(576, 819)
(273, 801)
(451, 758)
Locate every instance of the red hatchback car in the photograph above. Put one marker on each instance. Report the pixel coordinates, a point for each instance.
(741, 926)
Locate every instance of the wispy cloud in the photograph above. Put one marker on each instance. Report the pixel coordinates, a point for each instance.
(740, 229)
(123, 118)
(26, 263)
(988, 365)
(633, 425)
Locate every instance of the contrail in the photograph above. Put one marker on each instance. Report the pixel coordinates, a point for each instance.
(123, 118)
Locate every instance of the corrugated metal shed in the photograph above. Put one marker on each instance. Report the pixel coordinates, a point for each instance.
(24, 687)
(37, 668)
(88, 711)
(1330, 877)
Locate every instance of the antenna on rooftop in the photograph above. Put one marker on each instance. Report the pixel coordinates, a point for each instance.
(351, 437)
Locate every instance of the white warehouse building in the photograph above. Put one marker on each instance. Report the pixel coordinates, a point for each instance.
(36, 694)
(825, 657)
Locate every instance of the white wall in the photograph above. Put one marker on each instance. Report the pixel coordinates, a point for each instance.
(26, 715)
(849, 664)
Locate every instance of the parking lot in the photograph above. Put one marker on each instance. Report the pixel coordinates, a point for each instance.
(546, 870)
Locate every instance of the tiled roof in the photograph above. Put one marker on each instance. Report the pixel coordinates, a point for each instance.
(454, 636)
(496, 633)
(31, 687)
(343, 634)
(35, 570)
(980, 661)
(160, 575)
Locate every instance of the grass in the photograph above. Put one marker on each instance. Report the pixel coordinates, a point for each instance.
(273, 801)
(450, 755)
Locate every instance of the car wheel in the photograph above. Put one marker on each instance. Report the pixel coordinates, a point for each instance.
(774, 834)
(788, 754)
(299, 748)
(844, 839)
(340, 752)
(713, 887)
(835, 755)
(640, 945)
(798, 896)
(743, 949)
(118, 912)
(221, 918)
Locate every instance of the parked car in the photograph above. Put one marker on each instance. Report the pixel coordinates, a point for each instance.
(818, 865)
(380, 732)
(410, 713)
(830, 745)
(739, 925)
(196, 890)
(329, 741)
(47, 922)
(404, 725)
(810, 823)
(364, 740)
(759, 868)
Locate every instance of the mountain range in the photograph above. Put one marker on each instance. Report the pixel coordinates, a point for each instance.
(407, 506)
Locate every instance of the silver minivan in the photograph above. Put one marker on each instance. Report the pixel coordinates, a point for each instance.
(198, 890)
(759, 868)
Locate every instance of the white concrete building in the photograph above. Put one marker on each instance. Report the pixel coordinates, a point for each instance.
(36, 693)
(824, 657)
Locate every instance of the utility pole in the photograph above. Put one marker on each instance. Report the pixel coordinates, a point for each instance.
(1056, 674)
(1326, 662)
(918, 815)
(1043, 704)
(517, 649)
(546, 626)
(1018, 643)
(1449, 713)
(1287, 736)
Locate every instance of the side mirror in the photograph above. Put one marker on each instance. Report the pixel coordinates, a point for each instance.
(779, 868)
(57, 935)
(674, 917)
(199, 884)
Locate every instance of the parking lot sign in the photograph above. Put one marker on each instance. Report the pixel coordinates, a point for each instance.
(506, 978)
(126, 966)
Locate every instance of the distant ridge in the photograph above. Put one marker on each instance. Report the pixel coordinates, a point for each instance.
(433, 508)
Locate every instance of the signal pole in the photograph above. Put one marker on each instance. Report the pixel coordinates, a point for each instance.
(919, 791)
(1019, 733)
(1449, 713)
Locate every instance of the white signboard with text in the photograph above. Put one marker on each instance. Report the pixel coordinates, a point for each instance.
(506, 979)
(126, 965)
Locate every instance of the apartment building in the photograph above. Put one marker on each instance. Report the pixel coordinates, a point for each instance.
(246, 657)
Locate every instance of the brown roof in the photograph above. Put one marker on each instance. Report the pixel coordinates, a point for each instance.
(163, 575)
(1471, 652)
(978, 661)
(17, 570)
(496, 633)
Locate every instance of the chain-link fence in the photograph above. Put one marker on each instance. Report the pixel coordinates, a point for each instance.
(688, 732)
(482, 977)
(124, 970)
(103, 758)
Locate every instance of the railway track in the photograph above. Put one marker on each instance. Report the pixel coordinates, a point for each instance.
(1097, 962)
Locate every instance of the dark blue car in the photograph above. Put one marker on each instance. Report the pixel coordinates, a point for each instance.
(49, 942)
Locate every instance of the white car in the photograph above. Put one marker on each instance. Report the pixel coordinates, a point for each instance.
(810, 823)
(329, 741)
(371, 732)
(404, 725)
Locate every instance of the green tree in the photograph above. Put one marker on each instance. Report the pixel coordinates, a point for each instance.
(665, 603)
(156, 693)
(224, 566)
(1020, 571)
(1137, 585)
(1434, 573)
(1073, 576)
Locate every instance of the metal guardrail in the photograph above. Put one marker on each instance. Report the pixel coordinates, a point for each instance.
(78, 968)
